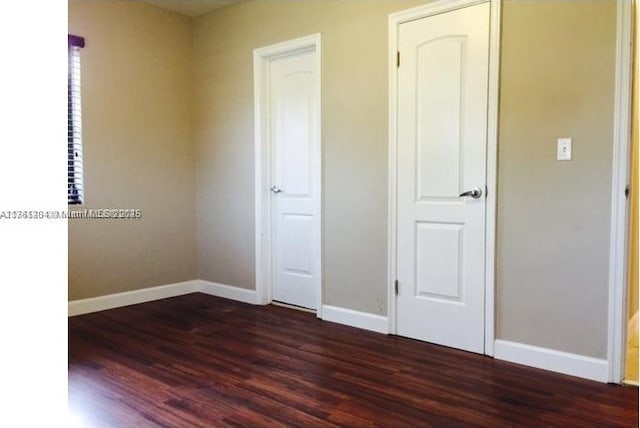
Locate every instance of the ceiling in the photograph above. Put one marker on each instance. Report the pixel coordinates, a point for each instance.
(191, 8)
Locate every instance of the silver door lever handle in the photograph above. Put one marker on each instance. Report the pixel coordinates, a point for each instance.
(474, 193)
(276, 189)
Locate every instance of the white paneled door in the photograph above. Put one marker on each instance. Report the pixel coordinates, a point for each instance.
(293, 184)
(441, 173)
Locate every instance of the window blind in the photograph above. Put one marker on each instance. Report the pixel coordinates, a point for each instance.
(75, 185)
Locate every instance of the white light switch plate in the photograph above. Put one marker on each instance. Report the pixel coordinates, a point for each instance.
(564, 148)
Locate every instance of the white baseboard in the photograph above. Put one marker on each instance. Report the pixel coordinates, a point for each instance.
(118, 300)
(227, 291)
(549, 359)
(357, 319)
(111, 301)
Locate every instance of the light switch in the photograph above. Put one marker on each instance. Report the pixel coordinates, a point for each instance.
(564, 148)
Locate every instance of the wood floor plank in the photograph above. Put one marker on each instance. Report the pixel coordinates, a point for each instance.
(198, 360)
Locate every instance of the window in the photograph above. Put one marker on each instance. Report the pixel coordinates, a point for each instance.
(75, 188)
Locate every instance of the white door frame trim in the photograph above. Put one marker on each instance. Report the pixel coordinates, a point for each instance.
(261, 59)
(395, 20)
(618, 254)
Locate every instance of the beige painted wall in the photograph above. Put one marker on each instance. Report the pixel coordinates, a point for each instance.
(138, 148)
(558, 61)
(354, 128)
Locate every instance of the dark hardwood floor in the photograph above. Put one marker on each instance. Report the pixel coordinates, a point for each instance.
(199, 360)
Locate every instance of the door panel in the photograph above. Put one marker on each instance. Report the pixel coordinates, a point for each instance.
(439, 116)
(442, 139)
(293, 97)
(297, 232)
(438, 242)
(296, 242)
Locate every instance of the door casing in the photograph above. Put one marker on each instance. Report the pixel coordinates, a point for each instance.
(263, 164)
(395, 20)
(618, 245)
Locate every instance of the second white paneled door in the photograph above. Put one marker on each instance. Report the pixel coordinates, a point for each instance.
(441, 177)
(295, 238)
